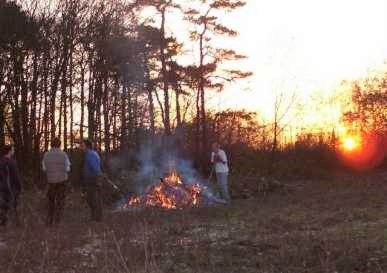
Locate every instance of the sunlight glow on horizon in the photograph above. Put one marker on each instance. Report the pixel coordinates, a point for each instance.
(362, 151)
(304, 46)
(300, 47)
(350, 143)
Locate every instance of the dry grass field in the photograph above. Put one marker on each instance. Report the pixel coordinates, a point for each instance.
(329, 225)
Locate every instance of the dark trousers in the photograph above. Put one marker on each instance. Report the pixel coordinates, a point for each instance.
(7, 202)
(93, 198)
(3, 216)
(56, 195)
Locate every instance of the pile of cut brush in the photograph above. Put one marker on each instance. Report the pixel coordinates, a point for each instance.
(169, 193)
(172, 193)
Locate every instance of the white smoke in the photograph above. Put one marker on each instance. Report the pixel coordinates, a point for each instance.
(158, 157)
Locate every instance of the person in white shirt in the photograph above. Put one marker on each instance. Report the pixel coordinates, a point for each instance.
(219, 159)
(56, 166)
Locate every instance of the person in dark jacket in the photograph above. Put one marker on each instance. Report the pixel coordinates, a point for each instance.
(91, 175)
(10, 185)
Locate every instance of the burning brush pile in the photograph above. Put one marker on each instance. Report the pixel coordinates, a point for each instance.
(169, 193)
(165, 180)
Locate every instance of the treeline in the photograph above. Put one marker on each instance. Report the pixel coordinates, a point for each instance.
(110, 72)
(368, 109)
(103, 70)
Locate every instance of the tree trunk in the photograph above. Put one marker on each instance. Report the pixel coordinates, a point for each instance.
(167, 122)
(106, 114)
(178, 109)
(71, 83)
(2, 123)
(82, 121)
(151, 110)
(123, 144)
(202, 96)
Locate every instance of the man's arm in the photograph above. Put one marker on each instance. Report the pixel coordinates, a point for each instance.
(223, 157)
(44, 168)
(212, 157)
(219, 157)
(94, 163)
(67, 163)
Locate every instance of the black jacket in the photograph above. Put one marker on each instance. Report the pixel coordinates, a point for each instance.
(9, 191)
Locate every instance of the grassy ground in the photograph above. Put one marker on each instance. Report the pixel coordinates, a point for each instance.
(335, 225)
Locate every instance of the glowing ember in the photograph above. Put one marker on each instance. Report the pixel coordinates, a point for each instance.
(169, 193)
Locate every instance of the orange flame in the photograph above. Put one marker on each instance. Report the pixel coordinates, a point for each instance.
(169, 193)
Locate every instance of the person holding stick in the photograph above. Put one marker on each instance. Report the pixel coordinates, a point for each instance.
(219, 160)
(91, 176)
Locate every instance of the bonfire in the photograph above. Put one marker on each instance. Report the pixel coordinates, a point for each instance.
(169, 193)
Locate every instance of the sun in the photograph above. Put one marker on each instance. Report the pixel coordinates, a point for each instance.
(350, 143)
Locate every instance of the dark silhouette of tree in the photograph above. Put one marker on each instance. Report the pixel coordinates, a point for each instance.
(162, 7)
(81, 68)
(208, 74)
(18, 33)
(369, 99)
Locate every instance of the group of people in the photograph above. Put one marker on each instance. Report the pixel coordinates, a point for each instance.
(56, 166)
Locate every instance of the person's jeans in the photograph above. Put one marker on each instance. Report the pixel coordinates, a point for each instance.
(56, 196)
(3, 216)
(223, 185)
(8, 202)
(93, 198)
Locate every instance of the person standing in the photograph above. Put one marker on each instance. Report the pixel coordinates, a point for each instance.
(219, 160)
(91, 174)
(56, 166)
(10, 186)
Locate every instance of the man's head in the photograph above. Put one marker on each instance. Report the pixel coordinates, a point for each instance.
(215, 147)
(55, 143)
(7, 151)
(86, 145)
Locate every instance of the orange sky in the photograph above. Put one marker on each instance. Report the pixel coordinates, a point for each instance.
(306, 46)
(302, 47)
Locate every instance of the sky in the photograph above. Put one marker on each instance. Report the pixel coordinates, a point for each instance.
(303, 47)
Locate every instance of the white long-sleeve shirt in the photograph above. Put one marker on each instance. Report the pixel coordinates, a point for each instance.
(220, 166)
(57, 165)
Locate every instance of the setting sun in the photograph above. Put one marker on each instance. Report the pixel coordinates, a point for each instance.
(209, 128)
(350, 143)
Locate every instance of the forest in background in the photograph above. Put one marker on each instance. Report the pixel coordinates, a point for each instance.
(103, 71)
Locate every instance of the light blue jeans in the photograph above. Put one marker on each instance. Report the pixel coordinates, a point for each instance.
(223, 185)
